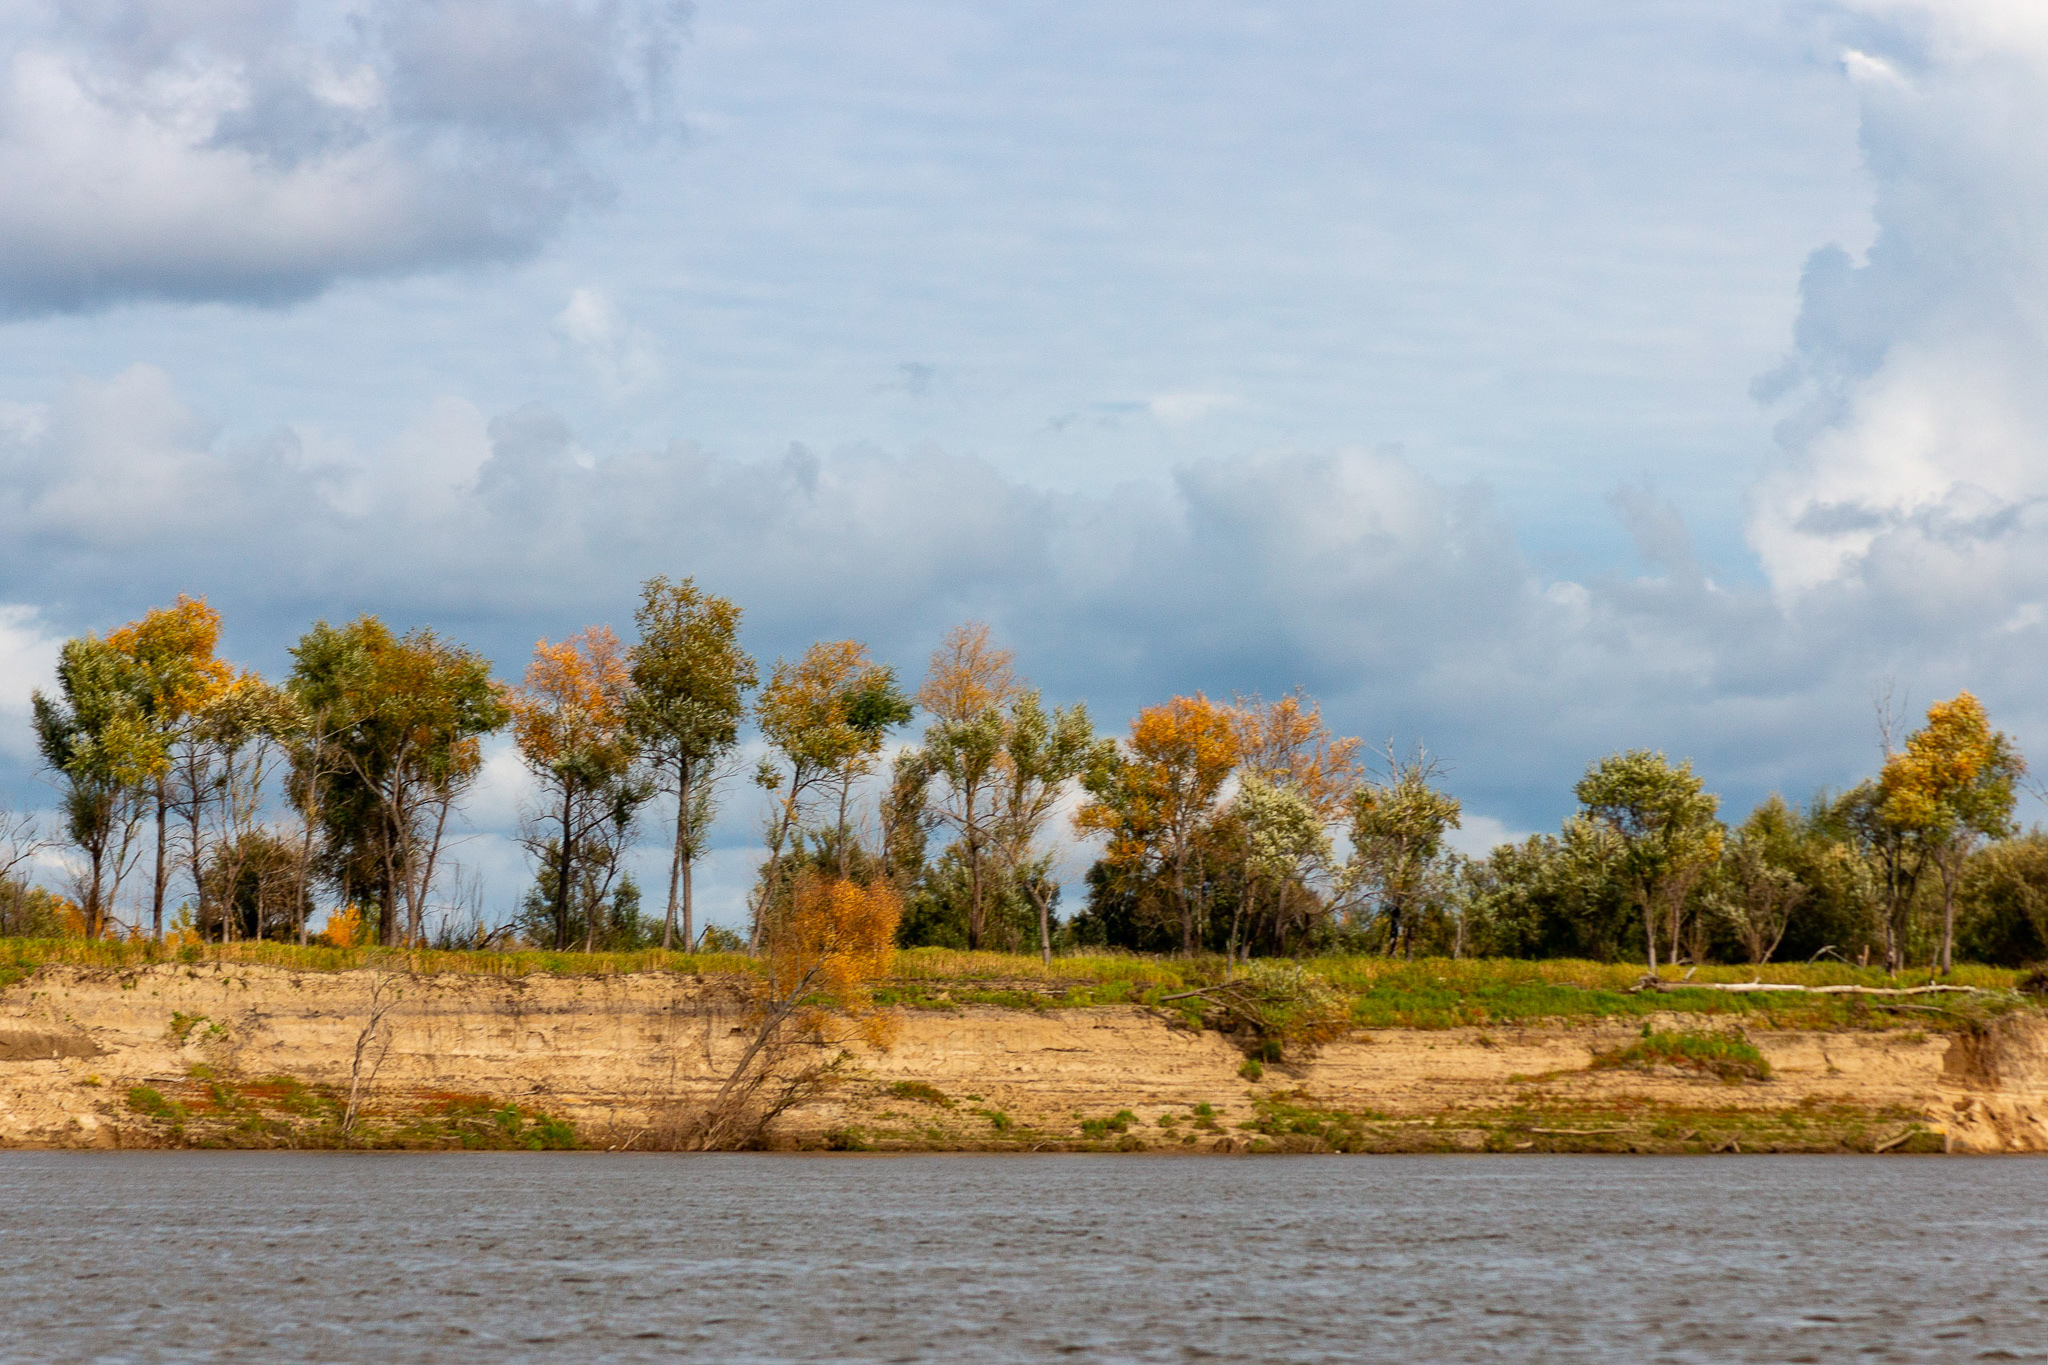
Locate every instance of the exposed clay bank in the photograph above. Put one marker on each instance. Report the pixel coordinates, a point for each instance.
(219, 1054)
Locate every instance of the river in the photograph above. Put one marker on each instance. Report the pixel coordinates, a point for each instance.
(196, 1256)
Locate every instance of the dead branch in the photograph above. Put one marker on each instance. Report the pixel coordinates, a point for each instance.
(380, 1005)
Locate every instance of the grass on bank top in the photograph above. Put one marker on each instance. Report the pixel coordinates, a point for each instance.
(1385, 993)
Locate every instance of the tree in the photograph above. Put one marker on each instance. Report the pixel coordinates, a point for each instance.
(826, 946)
(95, 735)
(826, 718)
(572, 718)
(1951, 787)
(1283, 837)
(173, 650)
(234, 742)
(689, 680)
(1154, 798)
(402, 718)
(1044, 753)
(966, 693)
(1666, 833)
(1287, 742)
(1397, 842)
(1758, 890)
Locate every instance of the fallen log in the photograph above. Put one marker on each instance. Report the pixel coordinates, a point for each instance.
(1665, 987)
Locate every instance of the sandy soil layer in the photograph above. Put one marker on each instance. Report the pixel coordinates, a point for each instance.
(232, 1055)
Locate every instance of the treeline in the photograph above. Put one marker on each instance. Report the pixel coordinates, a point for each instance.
(201, 800)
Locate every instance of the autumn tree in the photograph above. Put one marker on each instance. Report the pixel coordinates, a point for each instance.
(573, 719)
(826, 946)
(690, 680)
(1153, 800)
(402, 719)
(173, 650)
(826, 718)
(1397, 842)
(95, 735)
(1666, 836)
(1288, 743)
(967, 693)
(1948, 789)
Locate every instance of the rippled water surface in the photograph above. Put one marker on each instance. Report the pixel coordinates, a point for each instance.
(339, 1257)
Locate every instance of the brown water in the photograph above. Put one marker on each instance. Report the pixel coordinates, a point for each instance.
(458, 1258)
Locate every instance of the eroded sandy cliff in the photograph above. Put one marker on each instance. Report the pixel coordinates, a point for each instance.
(251, 1055)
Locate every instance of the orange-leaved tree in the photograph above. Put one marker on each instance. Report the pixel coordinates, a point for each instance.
(1951, 786)
(572, 717)
(826, 946)
(1154, 799)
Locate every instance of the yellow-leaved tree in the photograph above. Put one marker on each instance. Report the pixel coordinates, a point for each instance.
(1949, 788)
(826, 946)
(1153, 798)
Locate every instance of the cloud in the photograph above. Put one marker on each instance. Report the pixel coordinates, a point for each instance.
(1401, 599)
(28, 658)
(620, 355)
(1184, 409)
(1915, 432)
(259, 150)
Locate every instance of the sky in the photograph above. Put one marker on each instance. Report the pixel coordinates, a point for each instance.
(1528, 382)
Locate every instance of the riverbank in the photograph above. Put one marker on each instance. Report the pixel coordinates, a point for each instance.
(264, 1047)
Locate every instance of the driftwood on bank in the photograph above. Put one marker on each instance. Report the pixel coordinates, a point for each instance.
(1665, 986)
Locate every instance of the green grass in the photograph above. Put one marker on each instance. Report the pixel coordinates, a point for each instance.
(1718, 1054)
(922, 1093)
(1427, 993)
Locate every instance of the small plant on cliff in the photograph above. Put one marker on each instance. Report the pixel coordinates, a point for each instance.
(922, 1093)
(1120, 1122)
(149, 1102)
(1717, 1054)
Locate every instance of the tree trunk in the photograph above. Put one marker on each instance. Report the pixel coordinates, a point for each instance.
(675, 864)
(1650, 931)
(163, 867)
(565, 861)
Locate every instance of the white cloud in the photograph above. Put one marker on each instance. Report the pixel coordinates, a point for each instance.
(1479, 835)
(1184, 409)
(621, 355)
(28, 658)
(1916, 441)
(262, 150)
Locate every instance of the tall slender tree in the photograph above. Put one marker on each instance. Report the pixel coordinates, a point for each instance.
(690, 679)
(173, 649)
(826, 718)
(573, 720)
(967, 693)
(1044, 754)
(96, 736)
